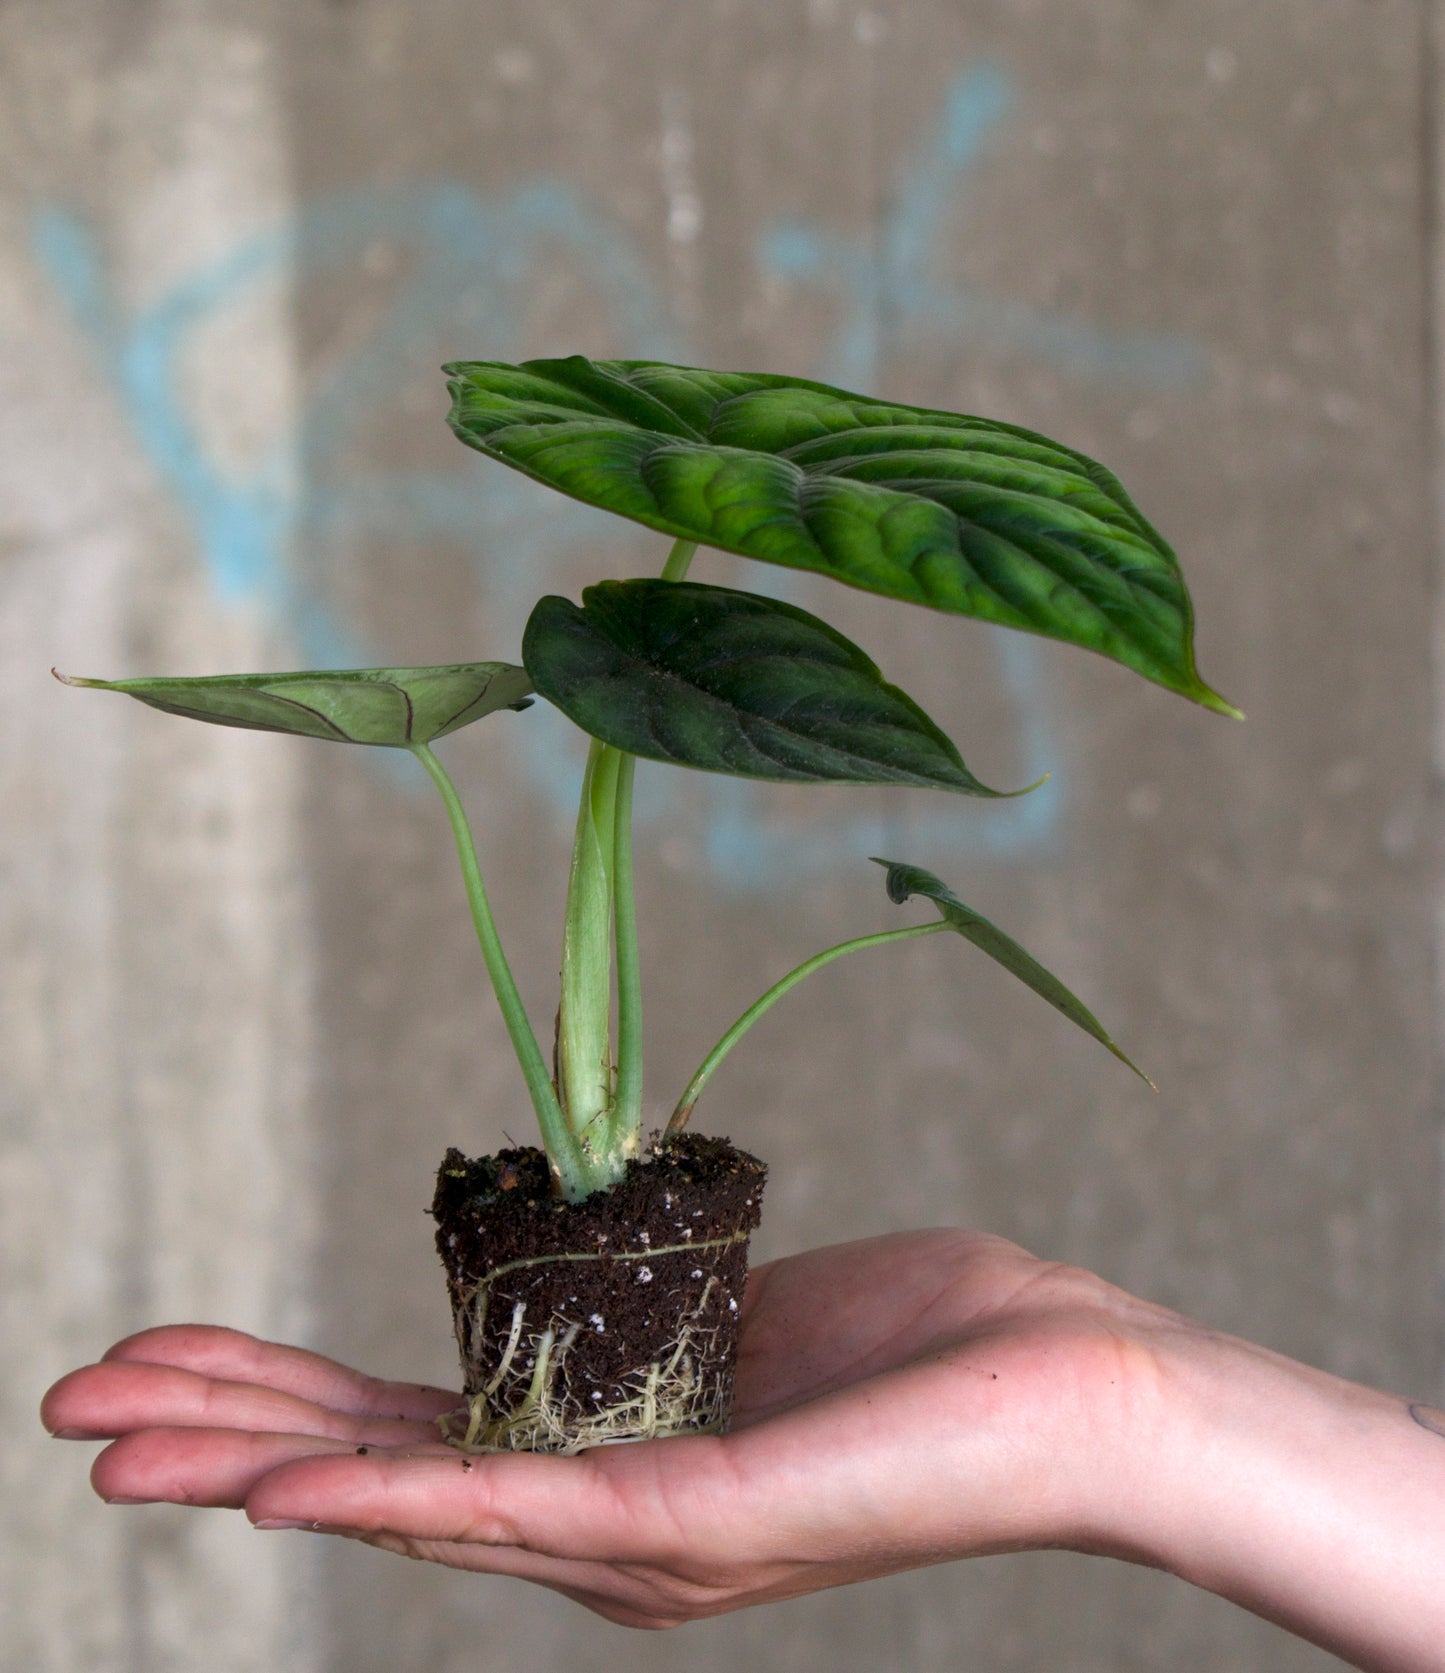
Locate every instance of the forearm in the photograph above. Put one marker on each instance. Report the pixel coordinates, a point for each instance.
(1309, 1500)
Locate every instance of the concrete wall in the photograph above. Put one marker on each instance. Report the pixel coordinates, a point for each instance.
(242, 1015)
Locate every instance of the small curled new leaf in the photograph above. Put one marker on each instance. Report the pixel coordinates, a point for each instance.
(395, 708)
(732, 682)
(906, 880)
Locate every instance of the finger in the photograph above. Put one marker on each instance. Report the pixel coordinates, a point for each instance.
(116, 1397)
(573, 1508)
(690, 1501)
(214, 1467)
(233, 1356)
(670, 1531)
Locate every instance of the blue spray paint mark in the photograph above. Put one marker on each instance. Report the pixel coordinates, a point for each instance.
(242, 527)
(889, 281)
(470, 261)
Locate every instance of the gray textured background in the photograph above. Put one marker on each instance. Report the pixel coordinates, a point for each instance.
(241, 1013)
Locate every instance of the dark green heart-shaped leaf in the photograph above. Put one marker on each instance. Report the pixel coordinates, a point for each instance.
(732, 683)
(905, 880)
(963, 514)
(389, 706)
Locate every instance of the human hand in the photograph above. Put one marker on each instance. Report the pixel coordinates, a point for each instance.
(900, 1401)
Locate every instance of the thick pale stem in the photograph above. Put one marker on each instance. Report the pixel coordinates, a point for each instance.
(602, 1102)
(584, 1024)
(770, 998)
(626, 1124)
(563, 1152)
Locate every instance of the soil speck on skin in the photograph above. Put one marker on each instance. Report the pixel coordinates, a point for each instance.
(361, 1452)
(466, 1463)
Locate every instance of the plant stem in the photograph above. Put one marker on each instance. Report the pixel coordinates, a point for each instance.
(601, 1104)
(584, 1027)
(603, 1107)
(627, 1121)
(678, 560)
(563, 1152)
(770, 998)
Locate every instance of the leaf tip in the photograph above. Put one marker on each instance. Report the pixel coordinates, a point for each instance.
(1008, 795)
(1208, 698)
(1134, 1066)
(898, 880)
(76, 679)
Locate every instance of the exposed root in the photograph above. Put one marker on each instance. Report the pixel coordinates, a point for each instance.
(668, 1398)
(681, 1392)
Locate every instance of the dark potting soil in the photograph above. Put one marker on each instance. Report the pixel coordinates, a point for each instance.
(651, 1273)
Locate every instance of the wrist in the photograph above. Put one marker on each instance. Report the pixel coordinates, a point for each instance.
(1307, 1499)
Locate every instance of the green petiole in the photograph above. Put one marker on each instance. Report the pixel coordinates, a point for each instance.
(769, 999)
(678, 560)
(626, 1135)
(564, 1153)
(584, 1018)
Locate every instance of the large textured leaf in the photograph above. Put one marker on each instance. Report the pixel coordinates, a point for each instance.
(963, 514)
(388, 706)
(905, 880)
(732, 683)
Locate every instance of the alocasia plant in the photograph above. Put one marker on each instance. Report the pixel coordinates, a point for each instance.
(960, 514)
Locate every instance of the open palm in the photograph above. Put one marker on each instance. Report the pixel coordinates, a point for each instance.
(900, 1401)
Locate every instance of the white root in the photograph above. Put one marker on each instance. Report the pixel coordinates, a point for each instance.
(667, 1397)
(664, 1398)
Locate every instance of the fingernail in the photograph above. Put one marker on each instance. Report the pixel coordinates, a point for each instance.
(127, 1499)
(74, 1435)
(277, 1522)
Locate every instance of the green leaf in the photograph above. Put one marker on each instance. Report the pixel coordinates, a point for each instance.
(732, 683)
(905, 880)
(397, 707)
(963, 514)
